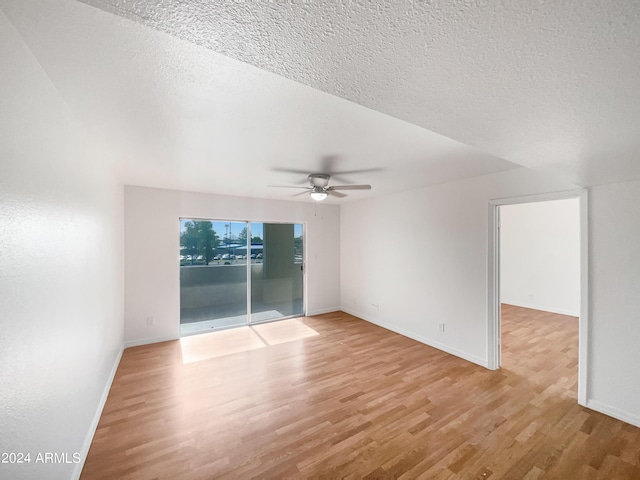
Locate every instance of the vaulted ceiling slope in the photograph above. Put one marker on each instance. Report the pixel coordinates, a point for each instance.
(223, 96)
(546, 84)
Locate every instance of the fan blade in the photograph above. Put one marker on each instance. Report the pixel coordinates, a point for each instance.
(350, 187)
(334, 193)
(298, 194)
(362, 170)
(303, 180)
(290, 170)
(287, 186)
(328, 163)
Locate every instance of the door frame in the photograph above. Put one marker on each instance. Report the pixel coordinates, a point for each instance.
(303, 267)
(248, 286)
(493, 330)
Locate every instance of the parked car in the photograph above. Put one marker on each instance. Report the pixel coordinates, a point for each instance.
(218, 257)
(259, 255)
(200, 260)
(226, 256)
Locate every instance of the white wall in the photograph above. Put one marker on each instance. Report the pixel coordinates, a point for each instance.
(614, 271)
(540, 256)
(438, 273)
(152, 287)
(61, 270)
(422, 257)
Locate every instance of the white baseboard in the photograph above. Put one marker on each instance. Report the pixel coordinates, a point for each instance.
(147, 341)
(613, 412)
(544, 308)
(419, 338)
(321, 311)
(96, 417)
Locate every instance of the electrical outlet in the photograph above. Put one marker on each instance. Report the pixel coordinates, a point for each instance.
(150, 321)
(531, 296)
(441, 327)
(376, 306)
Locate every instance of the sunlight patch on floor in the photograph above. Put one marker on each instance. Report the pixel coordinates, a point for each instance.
(196, 348)
(217, 344)
(284, 331)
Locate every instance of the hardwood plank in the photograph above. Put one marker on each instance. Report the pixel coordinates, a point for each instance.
(333, 396)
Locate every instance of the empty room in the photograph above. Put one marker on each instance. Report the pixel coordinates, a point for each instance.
(298, 239)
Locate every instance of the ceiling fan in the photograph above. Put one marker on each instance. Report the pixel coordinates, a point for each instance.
(319, 188)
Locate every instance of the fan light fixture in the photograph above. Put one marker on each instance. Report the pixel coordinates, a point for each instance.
(318, 194)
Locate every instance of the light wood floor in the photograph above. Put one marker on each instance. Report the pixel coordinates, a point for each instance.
(349, 399)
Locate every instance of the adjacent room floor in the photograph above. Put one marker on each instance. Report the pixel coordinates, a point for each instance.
(334, 396)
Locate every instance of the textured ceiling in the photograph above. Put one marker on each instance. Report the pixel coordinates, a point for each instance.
(172, 114)
(223, 96)
(552, 85)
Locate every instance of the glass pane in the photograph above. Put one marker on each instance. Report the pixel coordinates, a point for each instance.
(213, 275)
(276, 271)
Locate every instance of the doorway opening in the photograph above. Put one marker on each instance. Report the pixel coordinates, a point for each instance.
(238, 273)
(538, 285)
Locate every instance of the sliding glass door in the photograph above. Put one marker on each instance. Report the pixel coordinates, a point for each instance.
(213, 275)
(276, 283)
(237, 273)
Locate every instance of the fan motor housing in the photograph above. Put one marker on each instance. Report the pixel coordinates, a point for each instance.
(319, 180)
